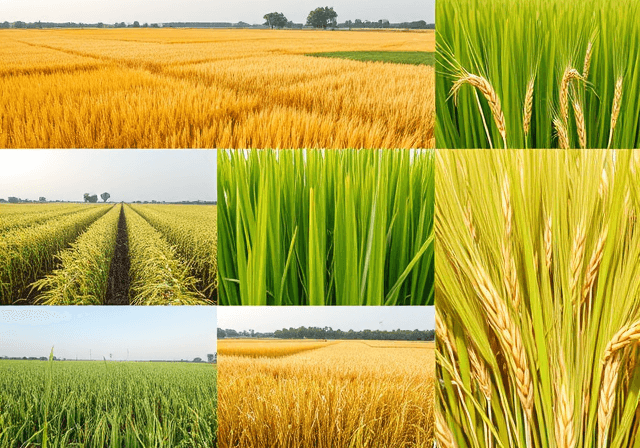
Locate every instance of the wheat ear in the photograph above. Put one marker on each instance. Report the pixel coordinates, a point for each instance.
(490, 95)
(570, 74)
(444, 436)
(548, 242)
(580, 125)
(509, 264)
(480, 371)
(594, 265)
(577, 258)
(563, 137)
(587, 61)
(607, 398)
(615, 109)
(528, 107)
(627, 335)
(509, 336)
(564, 424)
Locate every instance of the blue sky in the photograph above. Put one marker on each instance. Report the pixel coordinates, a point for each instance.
(266, 319)
(168, 333)
(127, 175)
(251, 11)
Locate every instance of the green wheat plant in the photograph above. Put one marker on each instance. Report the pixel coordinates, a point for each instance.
(318, 227)
(538, 296)
(538, 74)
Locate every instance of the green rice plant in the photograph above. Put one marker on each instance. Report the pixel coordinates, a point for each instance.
(192, 230)
(83, 274)
(158, 276)
(105, 404)
(325, 227)
(29, 252)
(538, 296)
(538, 74)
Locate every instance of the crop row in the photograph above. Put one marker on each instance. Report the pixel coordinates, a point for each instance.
(158, 275)
(192, 231)
(84, 272)
(17, 220)
(28, 253)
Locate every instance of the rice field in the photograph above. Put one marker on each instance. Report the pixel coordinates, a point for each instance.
(107, 404)
(207, 88)
(329, 394)
(326, 227)
(92, 254)
(575, 85)
(538, 293)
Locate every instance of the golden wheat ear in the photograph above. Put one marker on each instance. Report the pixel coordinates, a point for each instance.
(615, 108)
(487, 90)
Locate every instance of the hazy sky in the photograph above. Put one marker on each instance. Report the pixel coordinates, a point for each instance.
(265, 319)
(168, 333)
(251, 11)
(127, 175)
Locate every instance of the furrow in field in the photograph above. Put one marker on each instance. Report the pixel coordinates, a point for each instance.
(83, 274)
(28, 253)
(158, 276)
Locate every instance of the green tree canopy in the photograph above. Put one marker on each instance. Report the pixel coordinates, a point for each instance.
(322, 17)
(275, 20)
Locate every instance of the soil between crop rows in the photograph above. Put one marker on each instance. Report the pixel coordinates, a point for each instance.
(118, 287)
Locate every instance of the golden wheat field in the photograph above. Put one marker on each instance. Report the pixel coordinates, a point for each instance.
(167, 88)
(332, 394)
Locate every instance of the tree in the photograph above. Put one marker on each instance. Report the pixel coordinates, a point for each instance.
(90, 198)
(210, 358)
(105, 196)
(221, 333)
(322, 17)
(5, 24)
(42, 199)
(13, 200)
(197, 359)
(136, 24)
(275, 20)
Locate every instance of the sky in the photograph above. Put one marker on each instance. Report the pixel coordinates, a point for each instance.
(265, 319)
(127, 175)
(251, 11)
(148, 333)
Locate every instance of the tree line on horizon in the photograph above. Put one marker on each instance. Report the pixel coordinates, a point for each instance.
(330, 333)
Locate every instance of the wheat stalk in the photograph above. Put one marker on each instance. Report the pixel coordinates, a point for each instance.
(490, 95)
(615, 108)
(444, 436)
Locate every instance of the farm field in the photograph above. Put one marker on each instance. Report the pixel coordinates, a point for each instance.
(107, 404)
(330, 394)
(188, 88)
(81, 254)
(326, 227)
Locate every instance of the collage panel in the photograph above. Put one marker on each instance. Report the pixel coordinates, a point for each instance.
(150, 239)
(108, 377)
(538, 298)
(326, 377)
(537, 74)
(313, 227)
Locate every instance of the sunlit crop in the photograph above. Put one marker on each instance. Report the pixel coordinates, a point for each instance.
(342, 394)
(211, 89)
